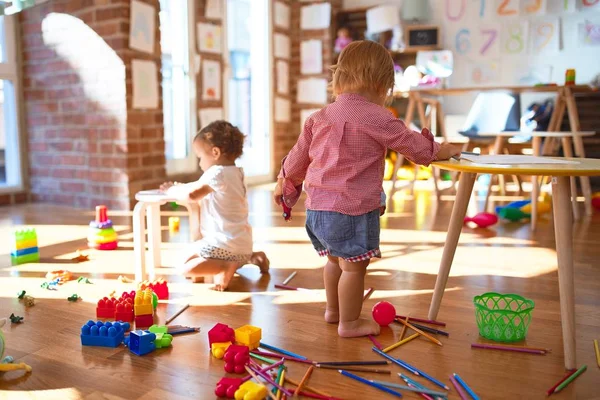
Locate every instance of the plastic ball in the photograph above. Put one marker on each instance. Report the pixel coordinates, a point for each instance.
(384, 313)
(154, 300)
(596, 202)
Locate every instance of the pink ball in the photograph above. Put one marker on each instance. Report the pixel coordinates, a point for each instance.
(384, 313)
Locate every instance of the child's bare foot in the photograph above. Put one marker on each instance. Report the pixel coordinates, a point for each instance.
(223, 278)
(332, 316)
(260, 258)
(359, 327)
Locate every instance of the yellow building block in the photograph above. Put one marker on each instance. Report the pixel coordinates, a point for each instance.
(248, 335)
(25, 244)
(218, 349)
(142, 303)
(251, 391)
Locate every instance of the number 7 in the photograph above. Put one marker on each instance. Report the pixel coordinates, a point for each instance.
(493, 33)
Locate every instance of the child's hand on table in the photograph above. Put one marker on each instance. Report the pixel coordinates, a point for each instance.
(165, 186)
(446, 152)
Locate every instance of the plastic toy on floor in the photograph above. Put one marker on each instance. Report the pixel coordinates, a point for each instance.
(512, 214)
(384, 313)
(101, 234)
(596, 201)
(24, 247)
(7, 362)
(483, 219)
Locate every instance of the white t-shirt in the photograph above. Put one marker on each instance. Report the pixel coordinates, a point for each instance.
(224, 212)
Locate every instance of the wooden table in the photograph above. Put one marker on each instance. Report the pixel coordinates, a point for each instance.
(563, 229)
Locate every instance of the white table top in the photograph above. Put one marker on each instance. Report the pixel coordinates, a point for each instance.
(154, 196)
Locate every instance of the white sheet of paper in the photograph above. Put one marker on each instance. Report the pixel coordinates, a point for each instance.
(304, 114)
(211, 80)
(145, 84)
(209, 38)
(281, 13)
(141, 26)
(214, 9)
(383, 18)
(316, 16)
(312, 91)
(283, 77)
(281, 46)
(283, 110)
(311, 57)
(208, 115)
(509, 159)
(544, 37)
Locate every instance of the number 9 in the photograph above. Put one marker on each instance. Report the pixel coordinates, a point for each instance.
(463, 44)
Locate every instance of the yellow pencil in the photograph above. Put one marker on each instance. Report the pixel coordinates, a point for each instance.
(281, 383)
(400, 343)
(597, 352)
(403, 330)
(434, 340)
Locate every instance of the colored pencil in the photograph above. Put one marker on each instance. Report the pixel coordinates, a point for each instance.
(466, 387)
(286, 287)
(282, 383)
(570, 379)
(507, 348)
(289, 278)
(394, 360)
(416, 385)
(430, 330)
(249, 370)
(261, 358)
(367, 382)
(404, 328)
(317, 396)
(272, 382)
(182, 309)
(278, 350)
(278, 379)
(425, 321)
(378, 362)
(181, 331)
(368, 294)
(265, 369)
(295, 359)
(459, 389)
(356, 369)
(428, 336)
(410, 389)
(424, 375)
(305, 379)
(375, 342)
(597, 352)
(400, 343)
(564, 378)
(296, 383)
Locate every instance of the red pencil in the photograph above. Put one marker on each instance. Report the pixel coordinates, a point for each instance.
(426, 321)
(551, 390)
(368, 294)
(375, 342)
(286, 287)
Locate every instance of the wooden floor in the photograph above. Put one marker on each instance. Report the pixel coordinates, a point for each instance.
(506, 258)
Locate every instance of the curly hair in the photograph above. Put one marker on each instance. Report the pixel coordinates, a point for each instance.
(225, 136)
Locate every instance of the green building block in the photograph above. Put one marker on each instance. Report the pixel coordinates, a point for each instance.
(24, 259)
(25, 234)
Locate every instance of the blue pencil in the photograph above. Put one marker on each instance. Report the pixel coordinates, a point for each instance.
(416, 384)
(367, 382)
(467, 388)
(424, 375)
(394, 360)
(287, 353)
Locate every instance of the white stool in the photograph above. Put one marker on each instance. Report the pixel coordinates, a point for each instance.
(148, 206)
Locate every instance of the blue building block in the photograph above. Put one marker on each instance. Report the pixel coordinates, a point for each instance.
(24, 252)
(105, 334)
(141, 342)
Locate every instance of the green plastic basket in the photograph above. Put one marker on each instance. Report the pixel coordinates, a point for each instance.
(503, 317)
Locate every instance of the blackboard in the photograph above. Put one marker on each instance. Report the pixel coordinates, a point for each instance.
(422, 37)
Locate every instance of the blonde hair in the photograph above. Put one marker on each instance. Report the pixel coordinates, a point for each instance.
(363, 66)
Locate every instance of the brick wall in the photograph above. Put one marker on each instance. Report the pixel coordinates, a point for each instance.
(86, 144)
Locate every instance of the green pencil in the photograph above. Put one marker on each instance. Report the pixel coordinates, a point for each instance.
(570, 379)
(262, 358)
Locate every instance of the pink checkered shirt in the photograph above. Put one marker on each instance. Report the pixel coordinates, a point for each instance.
(340, 155)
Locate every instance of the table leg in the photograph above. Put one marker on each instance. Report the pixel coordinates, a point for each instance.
(536, 142)
(154, 238)
(397, 165)
(465, 187)
(139, 240)
(568, 150)
(498, 143)
(563, 231)
(194, 216)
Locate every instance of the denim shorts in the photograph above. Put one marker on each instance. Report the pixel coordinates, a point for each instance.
(353, 238)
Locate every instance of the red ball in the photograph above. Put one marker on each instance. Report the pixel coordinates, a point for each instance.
(384, 313)
(596, 202)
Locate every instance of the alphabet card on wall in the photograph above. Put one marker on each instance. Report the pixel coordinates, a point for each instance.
(211, 80)
(145, 84)
(589, 33)
(142, 26)
(311, 57)
(209, 38)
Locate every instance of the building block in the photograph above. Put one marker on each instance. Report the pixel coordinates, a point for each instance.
(158, 329)
(158, 286)
(28, 258)
(24, 239)
(251, 391)
(236, 357)
(101, 234)
(143, 303)
(105, 308)
(105, 334)
(248, 335)
(226, 387)
(141, 342)
(103, 246)
(24, 252)
(144, 321)
(220, 333)
(24, 244)
(218, 349)
(124, 309)
(162, 340)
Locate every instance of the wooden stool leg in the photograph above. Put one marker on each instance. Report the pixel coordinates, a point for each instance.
(535, 189)
(465, 187)
(489, 193)
(397, 165)
(563, 231)
(568, 150)
(154, 239)
(139, 240)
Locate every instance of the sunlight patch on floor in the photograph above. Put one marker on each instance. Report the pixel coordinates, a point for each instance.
(62, 394)
(318, 295)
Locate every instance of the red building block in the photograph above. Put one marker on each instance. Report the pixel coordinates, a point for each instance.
(236, 357)
(158, 286)
(220, 333)
(124, 309)
(106, 308)
(144, 321)
(227, 387)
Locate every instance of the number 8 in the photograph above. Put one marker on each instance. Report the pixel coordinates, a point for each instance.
(516, 36)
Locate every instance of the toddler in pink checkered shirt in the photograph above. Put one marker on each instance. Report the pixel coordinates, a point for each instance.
(339, 157)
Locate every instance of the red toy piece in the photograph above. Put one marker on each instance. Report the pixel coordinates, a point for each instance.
(236, 357)
(106, 308)
(287, 211)
(227, 387)
(384, 313)
(158, 286)
(124, 309)
(144, 321)
(220, 333)
(483, 219)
